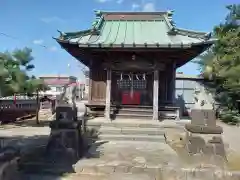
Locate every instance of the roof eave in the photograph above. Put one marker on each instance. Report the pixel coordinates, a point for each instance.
(191, 33)
(71, 35)
(140, 46)
(131, 12)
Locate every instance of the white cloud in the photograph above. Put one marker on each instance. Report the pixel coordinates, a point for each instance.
(120, 1)
(149, 7)
(52, 19)
(53, 48)
(135, 6)
(115, 1)
(103, 1)
(38, 41)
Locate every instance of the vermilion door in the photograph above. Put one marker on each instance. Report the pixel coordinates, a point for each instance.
(132, 88)
(133, 97)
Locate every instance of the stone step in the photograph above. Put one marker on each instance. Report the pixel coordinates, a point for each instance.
(130, 130)
(82, 176)
(112, 172)
(135, 115)
(133, 111)
(136, 123)
(168, 113)
(45, 168)
(132, 137)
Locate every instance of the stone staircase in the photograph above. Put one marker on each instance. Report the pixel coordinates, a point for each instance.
(135, 111)
(131, 130)
(127, 112)
(143, 112)
(153, 134)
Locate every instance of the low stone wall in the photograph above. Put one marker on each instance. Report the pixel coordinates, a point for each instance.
(9, 170)
(9, 164)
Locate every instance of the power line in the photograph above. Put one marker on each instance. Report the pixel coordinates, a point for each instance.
(16, 38)
(83, 69)
(9, 36)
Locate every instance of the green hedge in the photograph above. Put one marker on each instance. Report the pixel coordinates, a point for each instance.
(230, 117)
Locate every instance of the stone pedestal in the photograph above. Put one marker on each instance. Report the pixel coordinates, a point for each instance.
(66, 113)
(65, 142)
(209, 144)
(203, 136)
(9, 158)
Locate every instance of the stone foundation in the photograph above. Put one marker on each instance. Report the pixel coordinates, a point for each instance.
(203, 129)
(9, 170)
(9, 164)
(65, 140)
(211, 146)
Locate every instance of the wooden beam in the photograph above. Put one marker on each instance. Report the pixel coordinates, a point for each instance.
(108, 94)
(155, 94)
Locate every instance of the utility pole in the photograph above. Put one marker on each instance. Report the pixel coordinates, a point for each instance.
(37, 109)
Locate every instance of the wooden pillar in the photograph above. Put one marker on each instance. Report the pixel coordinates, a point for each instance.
(166, 86)
(108, 94)
(173, 82)
(155, 94)
(90, 86)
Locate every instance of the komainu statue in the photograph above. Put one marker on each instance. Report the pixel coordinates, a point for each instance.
(69, 95)
(202, 101)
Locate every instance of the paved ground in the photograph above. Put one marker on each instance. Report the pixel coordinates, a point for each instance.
(127, 154)
(120, 161)
(231, 136)
(131, 157)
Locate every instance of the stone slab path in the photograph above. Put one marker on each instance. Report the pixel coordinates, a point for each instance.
(128, 160)
(128, 157)
(120, 161)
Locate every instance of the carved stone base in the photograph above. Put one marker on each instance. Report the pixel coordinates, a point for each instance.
(65, 142)
(205, 144)
(64, 125)
(203, 129)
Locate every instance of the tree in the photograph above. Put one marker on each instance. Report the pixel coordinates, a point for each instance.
(14, 78)
(222, 62)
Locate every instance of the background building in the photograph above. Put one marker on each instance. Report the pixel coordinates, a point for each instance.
(185, 89)
(86, 82)
(56, 83)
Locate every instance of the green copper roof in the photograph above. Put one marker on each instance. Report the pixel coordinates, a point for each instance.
(135, 29)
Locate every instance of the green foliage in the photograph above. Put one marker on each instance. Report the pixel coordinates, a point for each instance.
(221, 63)
(230, 117)
(14, 68)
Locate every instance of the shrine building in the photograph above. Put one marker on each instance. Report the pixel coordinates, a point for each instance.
(132, 59)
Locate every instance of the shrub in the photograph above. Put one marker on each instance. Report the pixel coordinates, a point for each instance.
(230, 116)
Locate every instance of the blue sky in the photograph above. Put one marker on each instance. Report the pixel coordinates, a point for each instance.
(33, 23)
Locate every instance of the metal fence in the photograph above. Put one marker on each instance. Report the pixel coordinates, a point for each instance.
(18, 103)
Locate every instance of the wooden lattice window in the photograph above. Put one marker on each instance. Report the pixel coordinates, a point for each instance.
(132, 82)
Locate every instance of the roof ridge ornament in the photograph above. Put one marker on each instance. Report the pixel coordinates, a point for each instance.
(169, 17)
(95, 23)
(98, 20)
(98, 13)
(62, 35)
(208, 36)
(170, 13)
